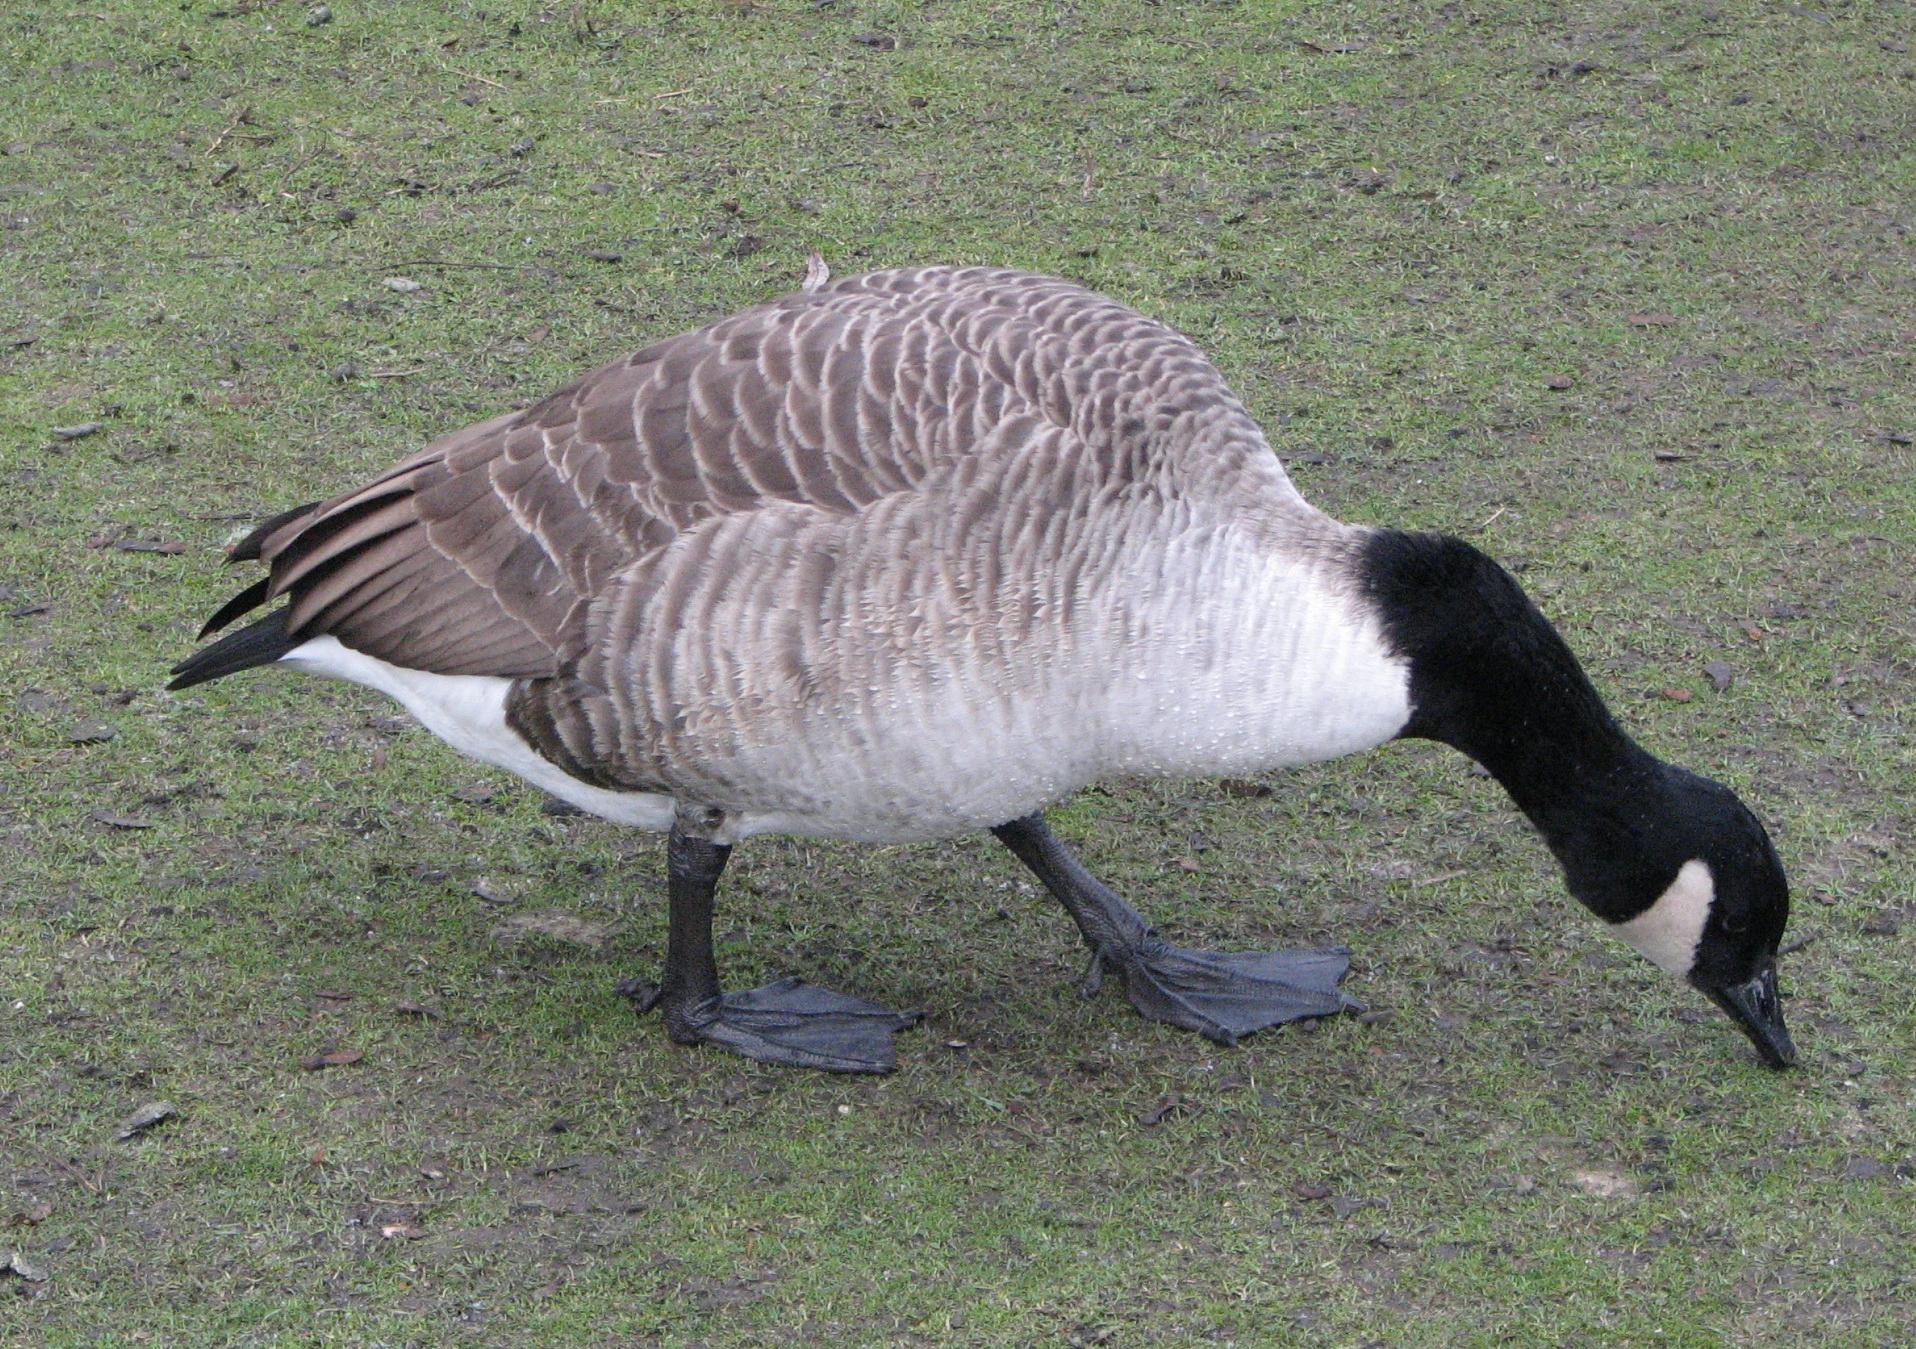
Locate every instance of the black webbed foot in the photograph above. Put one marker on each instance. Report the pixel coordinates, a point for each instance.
(1221, 997)
(1224, 997)
(787, 1022)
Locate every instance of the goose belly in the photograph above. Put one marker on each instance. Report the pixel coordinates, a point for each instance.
(932, 774)
(824, 782)
(947, 725)
(928, 712)
(906, 772)
(468, 712)
(910, 748)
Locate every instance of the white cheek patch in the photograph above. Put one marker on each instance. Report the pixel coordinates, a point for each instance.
(1668, 931)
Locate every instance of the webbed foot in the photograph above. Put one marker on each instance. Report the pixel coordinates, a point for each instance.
(1224, 997)
(1221, 997)
(787, 1022)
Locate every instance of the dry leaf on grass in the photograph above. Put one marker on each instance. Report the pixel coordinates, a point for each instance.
(146, 1117)
(339, 1058)
(557, 924)
(489, 890)
(1605, 1184)
(1163, 1110)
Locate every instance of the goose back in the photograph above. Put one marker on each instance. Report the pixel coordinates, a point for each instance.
(886, 521)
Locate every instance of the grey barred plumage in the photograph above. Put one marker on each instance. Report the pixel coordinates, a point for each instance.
(935, 488)
(833, 399)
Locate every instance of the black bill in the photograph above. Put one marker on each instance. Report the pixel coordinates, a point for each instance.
(1756, 1007)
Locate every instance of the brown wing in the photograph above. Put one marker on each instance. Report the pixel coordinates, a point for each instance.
(484, 553)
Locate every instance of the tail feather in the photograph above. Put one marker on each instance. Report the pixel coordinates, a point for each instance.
(250, 598)
(259, 643)
(248, 548)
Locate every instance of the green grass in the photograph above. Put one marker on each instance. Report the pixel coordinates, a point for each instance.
(1388, 250)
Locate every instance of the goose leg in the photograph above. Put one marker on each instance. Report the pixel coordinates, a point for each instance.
(786, 1022)
(1221, 997)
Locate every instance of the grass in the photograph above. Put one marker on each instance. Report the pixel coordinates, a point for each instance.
(1389, 249)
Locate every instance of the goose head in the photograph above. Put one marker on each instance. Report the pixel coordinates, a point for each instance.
(1674, 863)
(1704, 898)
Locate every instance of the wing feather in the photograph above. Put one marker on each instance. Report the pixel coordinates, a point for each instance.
(493, 550)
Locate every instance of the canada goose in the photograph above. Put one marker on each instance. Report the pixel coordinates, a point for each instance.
(922, 552)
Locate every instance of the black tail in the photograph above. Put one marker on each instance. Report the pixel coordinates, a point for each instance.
(247, 549)
(259, 643)
(247, 600)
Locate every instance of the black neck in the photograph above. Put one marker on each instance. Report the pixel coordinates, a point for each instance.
(1490, 676)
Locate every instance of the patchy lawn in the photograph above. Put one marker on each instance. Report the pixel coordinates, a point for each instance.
(1622, 292)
